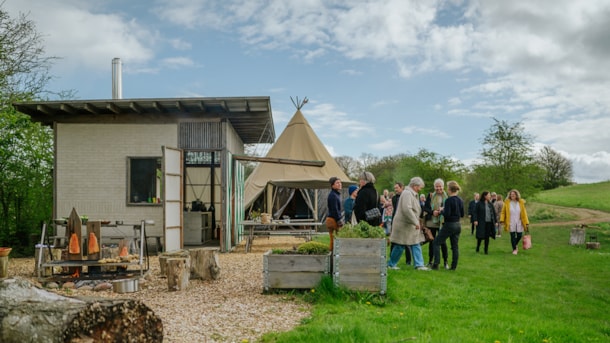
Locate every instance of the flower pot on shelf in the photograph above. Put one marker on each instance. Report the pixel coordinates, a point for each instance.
(294, 271)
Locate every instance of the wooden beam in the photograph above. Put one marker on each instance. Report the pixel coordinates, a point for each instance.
(280, 160)
(135, 107)
(67, 108)
(91, 108)
(114, 108)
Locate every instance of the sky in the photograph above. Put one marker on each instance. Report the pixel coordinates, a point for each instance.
(383, 77)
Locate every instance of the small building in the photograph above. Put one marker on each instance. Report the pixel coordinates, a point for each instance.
(171, 160)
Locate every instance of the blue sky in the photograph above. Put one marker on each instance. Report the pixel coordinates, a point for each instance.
(382, 76)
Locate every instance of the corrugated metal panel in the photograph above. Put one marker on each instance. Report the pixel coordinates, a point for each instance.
(201, 135)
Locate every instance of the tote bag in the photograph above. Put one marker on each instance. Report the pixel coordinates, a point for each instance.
(527, 242)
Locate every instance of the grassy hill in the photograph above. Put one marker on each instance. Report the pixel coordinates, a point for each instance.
(594, 196)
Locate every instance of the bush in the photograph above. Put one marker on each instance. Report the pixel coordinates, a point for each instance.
(361, 230)
(309, 248)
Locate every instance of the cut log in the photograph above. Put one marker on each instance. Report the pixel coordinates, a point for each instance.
(204, 263)
(577, 236)
(172, 254)
(31, 314)
(178, 274)
(593, 245)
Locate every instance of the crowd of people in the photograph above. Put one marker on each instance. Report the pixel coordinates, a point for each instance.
(406, 212)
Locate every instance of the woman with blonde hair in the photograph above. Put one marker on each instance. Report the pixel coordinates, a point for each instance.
(514, 217)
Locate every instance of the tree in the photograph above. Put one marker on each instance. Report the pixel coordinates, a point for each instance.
(557, 168)
(425, 164)
(25, 147)
(350, 166)
(24, 68)
(508, 161)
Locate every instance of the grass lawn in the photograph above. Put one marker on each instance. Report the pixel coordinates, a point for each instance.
(553, 292)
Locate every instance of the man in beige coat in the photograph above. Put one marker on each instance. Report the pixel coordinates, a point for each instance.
(406, 226)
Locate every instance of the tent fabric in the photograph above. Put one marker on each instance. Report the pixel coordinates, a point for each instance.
(297, 141)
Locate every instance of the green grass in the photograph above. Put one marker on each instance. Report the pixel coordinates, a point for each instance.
(553, 292)
(594, 196)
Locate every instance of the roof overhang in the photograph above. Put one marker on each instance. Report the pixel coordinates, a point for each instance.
(251, 117)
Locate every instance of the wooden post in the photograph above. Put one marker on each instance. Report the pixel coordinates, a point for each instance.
(3, 266)
(177, 274)
(204, 263)
(577, 236)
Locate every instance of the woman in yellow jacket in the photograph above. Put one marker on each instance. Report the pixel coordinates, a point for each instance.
(514, 218)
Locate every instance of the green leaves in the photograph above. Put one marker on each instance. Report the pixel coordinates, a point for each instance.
(361, 230)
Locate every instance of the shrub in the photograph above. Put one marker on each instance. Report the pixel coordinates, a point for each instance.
(309, 248)
(360, 230)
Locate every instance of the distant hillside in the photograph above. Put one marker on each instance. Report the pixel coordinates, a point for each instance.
(594, 196)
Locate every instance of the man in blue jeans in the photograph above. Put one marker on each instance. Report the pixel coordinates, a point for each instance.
(406, 226)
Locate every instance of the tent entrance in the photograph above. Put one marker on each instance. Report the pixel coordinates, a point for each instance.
(293, 203)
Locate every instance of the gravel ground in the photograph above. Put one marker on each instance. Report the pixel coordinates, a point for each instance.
(230, 309)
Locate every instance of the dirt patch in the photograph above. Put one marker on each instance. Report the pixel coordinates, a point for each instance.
(583, 216)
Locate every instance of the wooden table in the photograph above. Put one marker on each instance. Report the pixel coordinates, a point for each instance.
(305, 229)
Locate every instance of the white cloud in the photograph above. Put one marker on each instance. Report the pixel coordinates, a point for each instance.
(425, 132)
(386, 145)
(84, 38)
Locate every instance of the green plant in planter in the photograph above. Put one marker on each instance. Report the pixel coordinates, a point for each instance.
(360, 230)
(309, 248)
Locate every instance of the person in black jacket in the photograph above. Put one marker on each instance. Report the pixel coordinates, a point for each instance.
(471, 206)
(334, 220)
(453, 212)
(367, 198)
(484, 219)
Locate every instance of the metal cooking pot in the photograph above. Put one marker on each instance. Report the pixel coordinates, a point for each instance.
(125, 286)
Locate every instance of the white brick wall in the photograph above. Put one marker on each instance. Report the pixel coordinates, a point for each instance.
(91, 168)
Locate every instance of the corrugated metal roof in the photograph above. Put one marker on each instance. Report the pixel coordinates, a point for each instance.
(250, 116)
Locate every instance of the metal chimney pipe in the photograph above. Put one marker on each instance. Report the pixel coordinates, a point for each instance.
(117, 83)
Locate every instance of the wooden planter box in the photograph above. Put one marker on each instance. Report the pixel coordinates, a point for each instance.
(360, 264)
(294, 271)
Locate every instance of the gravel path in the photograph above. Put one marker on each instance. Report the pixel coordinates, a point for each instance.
(230, 309)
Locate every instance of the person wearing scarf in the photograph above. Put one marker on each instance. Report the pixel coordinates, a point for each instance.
(434, 217)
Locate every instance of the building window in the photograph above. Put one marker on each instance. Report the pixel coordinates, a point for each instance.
(144, 180)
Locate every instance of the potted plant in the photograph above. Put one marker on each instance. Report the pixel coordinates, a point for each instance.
(359, 258)
(299, 268)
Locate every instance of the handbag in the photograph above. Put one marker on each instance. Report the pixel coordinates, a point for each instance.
(527, 242)
(428, 236)
(372, 214)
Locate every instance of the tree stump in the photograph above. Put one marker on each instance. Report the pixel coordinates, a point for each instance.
(178, 274)
(577, 236)
(31, 314)
(593, 245)
(172, 254)
(204, 263)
